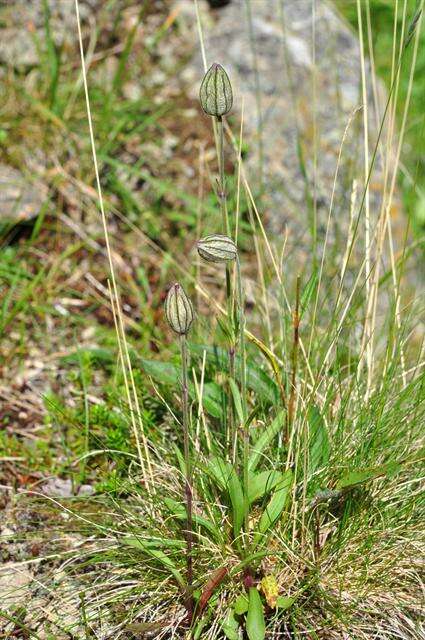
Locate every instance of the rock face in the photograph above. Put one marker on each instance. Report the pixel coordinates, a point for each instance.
(24, 23)
(298, 101)
(21, 198)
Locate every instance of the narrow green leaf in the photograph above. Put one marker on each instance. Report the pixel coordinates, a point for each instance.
(276, 503)
(318, 441)
(159, 555)
(260, 484)
(360, 476)
(237, 400)
(226, 478)
(265, 439)
(308, 292)
(412, 27)
(255, 624)
(179, 511)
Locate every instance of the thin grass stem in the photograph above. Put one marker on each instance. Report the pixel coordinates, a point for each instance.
(188, 476)
(242, 348)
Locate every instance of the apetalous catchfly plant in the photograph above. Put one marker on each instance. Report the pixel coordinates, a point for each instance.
(219, 248)
(216, 98)
(180, 315)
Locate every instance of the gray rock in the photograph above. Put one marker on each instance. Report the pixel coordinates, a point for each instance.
(291, 111)
(58, 488)
(21, 197)
(86, 490)
(23, 31)
(63, 488)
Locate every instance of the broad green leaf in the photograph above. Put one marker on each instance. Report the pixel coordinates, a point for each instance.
(354, 478)
(159, 555)
(226, 478)
(241, 604)
(259, 484)
(276, 503)
(230, 626)
(163, 372)
(212, 399)
(283, 602)
(237, 400)
(265, 439)
(260, 382)
(318, 440)
(255, 624)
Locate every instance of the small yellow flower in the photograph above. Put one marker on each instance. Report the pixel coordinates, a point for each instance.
(270, 589)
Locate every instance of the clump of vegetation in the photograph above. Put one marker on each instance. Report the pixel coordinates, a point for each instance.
(293, 468)
(261, 478)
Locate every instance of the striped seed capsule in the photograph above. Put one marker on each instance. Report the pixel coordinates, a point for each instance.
(215, 93)
(217, 248)
(178, 310)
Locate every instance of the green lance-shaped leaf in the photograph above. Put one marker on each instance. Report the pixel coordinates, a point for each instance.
(255, 624)
(264, 440)
(217, 248)
(158, 555)
(178, 309)
(276, 503)
(260, 484)
(226, 478)
(216, 94)
(318, 443)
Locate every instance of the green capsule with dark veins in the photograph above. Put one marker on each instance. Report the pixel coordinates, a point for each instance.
(217, 248)
(178, 310)
(215, 93)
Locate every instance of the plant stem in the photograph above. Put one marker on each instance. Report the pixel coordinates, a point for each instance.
(296, 340)
(222, 180)
(243, 395)
(188, 478)
(226, 231)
